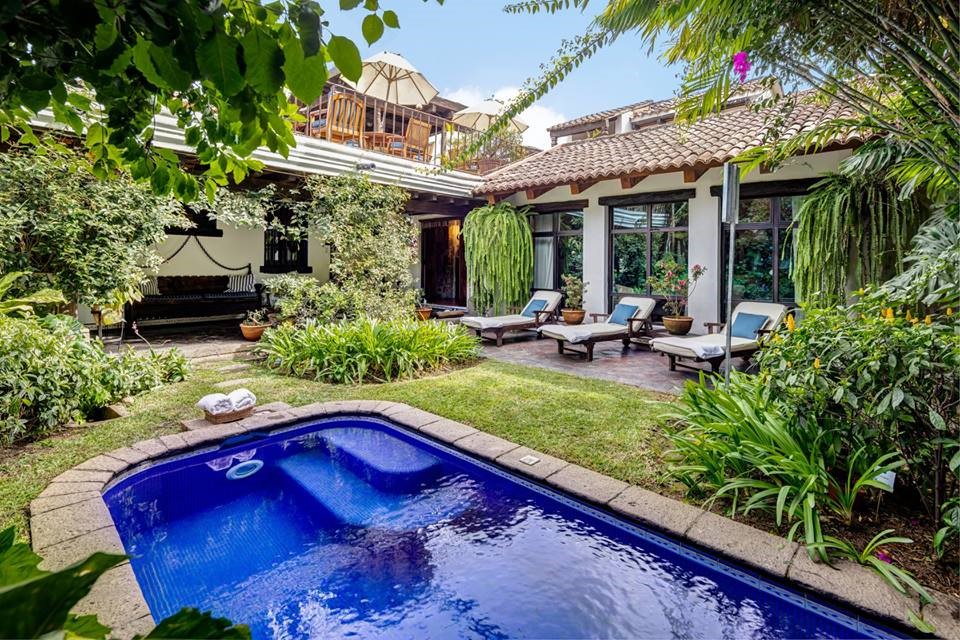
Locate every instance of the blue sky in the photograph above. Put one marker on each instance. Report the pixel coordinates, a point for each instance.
(471, 49)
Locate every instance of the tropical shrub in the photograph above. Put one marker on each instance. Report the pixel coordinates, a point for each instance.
(301, 298)
(35, 603)
(365, 350)
(888, 378)
(88, 238)
(572, 291)
(51, 373)
(498, 247)
(24, 305)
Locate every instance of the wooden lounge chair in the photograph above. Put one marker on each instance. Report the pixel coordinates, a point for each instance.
(344, 121)
(416, 138)
(630, 319)
(759, 319)
(541, 308)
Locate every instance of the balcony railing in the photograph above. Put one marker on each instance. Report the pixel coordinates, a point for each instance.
(343, 115)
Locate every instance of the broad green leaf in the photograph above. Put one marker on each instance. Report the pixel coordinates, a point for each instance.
(191, 623)
(217, 61)
(346, 56)
(264, 62)
(169, 68)
(144, 64)
(87, 627)
(390, 19)
(372, 28)
(105, 35)
(59, 592)
(308, 27)
(305, 77)
(346, 5)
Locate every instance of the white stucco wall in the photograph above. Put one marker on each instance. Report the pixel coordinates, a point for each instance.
(704, 226)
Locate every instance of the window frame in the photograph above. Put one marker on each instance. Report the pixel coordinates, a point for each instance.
(682, 196)
(273, 236)
(774, 190)
(555, 210)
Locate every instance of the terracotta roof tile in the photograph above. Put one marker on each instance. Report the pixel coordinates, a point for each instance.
(598, 116)
(658, 149)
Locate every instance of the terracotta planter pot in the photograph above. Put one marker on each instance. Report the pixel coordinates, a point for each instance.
(252, 332)
(678, 325)
(424, 313)
(573, 316)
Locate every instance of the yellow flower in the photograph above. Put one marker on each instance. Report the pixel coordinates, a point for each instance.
(949, 311)
(908, 316)
(944, 22)
(860, 292)
(816, 363)
(914, 320)
(928, 320)
(888, 314)
(791, 323)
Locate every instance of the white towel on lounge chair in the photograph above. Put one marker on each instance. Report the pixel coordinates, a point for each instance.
(705, 351)
(577, 333)
(495, 322)
(215, 404)
(241, 399)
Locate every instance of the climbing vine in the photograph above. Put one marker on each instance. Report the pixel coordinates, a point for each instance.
(498, 246)
(851, 231)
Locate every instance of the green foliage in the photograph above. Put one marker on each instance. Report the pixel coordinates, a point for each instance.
(672, 280)
(498, 246)
(932, 270)
(888, 379)
(366, 350)
(24, 305)
(89, 238)
(256, 318)
(51, 373)
(858, 218)
(222, 69)
(35, 603)
(572, 291)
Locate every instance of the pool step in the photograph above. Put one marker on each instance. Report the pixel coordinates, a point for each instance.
(388, 463)
(354, 501)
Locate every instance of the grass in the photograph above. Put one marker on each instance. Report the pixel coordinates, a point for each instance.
(605, 426)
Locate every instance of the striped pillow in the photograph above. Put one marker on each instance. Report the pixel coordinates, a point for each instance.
(241, 284)
(149, 286)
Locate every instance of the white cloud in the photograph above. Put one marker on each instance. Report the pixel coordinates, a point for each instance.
(538, 117)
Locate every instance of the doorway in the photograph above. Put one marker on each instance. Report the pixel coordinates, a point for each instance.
(443, 268)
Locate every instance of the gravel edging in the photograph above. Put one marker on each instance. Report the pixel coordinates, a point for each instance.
(69, 519)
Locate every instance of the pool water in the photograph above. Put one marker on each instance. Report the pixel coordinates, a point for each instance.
(352, 527)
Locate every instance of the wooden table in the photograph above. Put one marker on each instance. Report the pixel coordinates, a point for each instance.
(380, 140)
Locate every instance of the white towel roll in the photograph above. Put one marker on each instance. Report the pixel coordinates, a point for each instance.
(241, 399)
(215, 403)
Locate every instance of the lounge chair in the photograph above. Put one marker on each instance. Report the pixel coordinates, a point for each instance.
(541, 308)
(751, 321)
(629, 319)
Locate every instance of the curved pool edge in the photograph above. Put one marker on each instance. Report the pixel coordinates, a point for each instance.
(69, 519)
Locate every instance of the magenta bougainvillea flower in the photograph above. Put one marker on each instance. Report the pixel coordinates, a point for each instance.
(883, 556)
(741, 64)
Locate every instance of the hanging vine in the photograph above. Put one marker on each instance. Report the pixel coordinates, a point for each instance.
(498, 247)
(851, 231)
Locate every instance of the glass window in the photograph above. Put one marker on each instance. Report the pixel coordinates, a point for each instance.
(557, 247)
(763, 250)
(640, 236)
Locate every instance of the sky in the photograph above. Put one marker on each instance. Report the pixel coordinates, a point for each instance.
(471, 50)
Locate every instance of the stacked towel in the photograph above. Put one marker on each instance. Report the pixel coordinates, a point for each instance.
(242, 398)
(215, 404)
(704, 351)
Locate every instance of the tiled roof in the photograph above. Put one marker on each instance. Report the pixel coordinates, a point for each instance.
(750, 88)
(598, 116)
(659, 149)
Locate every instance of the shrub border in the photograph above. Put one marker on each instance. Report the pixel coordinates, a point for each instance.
(69, 519)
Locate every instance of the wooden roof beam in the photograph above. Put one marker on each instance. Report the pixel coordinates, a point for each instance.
(629, 182)
(579, 187)
(533, 194)
(692, 174)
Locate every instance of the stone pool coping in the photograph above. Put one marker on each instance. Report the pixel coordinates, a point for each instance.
(69, 520)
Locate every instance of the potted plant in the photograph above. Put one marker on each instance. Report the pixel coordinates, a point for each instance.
(423, 310)
(572, 311)
(672, 281)
(254, 324)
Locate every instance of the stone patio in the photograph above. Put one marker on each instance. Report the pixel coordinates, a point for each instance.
(636, 365)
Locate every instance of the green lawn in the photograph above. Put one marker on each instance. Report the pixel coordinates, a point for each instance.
(605, 426)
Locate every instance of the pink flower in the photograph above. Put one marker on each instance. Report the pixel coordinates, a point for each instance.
(741, 65)
(883, 556)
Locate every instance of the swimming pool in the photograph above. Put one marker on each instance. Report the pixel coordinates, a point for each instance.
(355, 527)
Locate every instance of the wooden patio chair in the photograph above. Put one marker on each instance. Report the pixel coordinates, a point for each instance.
(344, 120)
(416, 139)
(758, 319)
(541, 308)
(629, 320)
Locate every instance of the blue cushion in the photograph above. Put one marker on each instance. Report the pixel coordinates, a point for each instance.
(746, 325)
(532, 306)
(396, 144)
(622, 313)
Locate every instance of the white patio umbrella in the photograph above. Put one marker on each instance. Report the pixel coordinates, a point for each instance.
(391, 77)
(481, 116)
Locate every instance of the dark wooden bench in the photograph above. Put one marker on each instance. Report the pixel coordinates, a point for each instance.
(193, 297)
